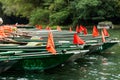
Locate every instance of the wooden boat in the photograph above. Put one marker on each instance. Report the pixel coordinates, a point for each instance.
(25, 26)
(36, 60)
(20, 60)
(63, 36)
(30, 54)
(98, 47)
(105, 24)
(106, 46)
(61, 47)
(91, 45)
(40, 60)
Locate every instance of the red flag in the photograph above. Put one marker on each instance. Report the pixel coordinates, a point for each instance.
(77, 29)
(50, 44)
(70, 29)
(77, 39)
(81, 28)
(103, 37)
(59, 28)
(95, 32)
(85, 31)
(105, 32)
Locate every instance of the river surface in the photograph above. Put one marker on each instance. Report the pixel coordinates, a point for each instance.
(104, 66)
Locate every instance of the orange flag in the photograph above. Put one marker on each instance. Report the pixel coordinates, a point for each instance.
(50, 44)
(59, 28)
(105, 32)
(70, 29)
(77, 39)
(95, 32)
(103, 37)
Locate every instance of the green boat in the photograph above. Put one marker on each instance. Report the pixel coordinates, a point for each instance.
(36, 61)
(19, 60)
(106, 46)
(94, 46)
(91, 45)
(60, 47)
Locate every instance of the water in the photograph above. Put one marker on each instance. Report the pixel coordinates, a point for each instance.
(94, 67)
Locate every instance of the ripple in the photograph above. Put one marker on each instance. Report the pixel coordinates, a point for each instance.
(108, 63)
(93, 58)
(119, 75)
(93, 72)
(103, 78)
(116, 76)
(22, 79)
(104, 69)
(102, 73)
(90, 62)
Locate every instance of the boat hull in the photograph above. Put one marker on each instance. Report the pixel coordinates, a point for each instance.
(77, 55)
(105, 46)
(5, 65)
(40, 62)
(101, 47)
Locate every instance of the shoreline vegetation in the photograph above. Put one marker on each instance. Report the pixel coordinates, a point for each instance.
(60, 12)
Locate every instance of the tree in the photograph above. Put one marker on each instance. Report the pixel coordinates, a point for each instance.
(62, 12)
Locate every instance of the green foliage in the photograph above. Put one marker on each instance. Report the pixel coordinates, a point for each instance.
(39, 16)
(59, 17)
(86, 8)
(17, 7)
(57, 12)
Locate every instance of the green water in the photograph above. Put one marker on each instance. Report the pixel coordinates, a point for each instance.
(93, 67)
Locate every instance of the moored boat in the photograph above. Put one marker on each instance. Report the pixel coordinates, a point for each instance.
(39, 61)
(106, 46)
(37, 58)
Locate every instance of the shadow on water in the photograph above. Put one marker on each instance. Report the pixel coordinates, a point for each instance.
(105, 66)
